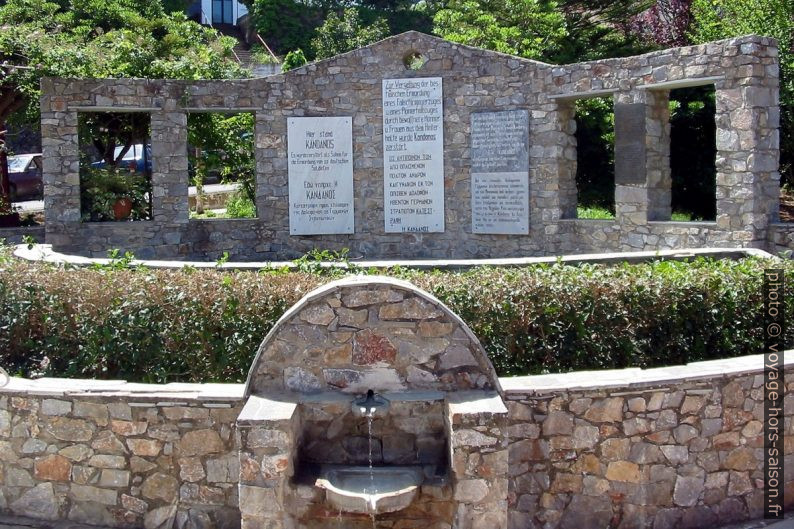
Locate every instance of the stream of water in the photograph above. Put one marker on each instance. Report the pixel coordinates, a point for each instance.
(373, 490)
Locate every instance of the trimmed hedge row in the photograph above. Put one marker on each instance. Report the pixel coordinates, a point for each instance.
(205, 325)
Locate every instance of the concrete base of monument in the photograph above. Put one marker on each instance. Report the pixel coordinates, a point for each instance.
(45, 253)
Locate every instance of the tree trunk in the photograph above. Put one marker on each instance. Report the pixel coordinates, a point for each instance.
(5, 184)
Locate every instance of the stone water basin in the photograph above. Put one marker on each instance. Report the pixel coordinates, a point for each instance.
(361, 489)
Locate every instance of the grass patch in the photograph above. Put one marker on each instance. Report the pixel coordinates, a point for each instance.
(593, 212)
(597, 212)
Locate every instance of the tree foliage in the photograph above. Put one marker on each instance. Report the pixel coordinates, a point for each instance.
(547, 30)
(595, 153)
(719, 19)
(224, 143)
(293, 59)
(693, 150)
(527, 28)
(319, 26)
(101, 38)
(666, 23)
(288, 24)
(340, 34)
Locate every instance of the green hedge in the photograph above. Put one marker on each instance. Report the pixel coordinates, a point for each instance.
(205, 325)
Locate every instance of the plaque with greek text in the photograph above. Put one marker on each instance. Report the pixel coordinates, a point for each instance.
(320, 168)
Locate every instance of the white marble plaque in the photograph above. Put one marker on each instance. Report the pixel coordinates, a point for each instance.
(499, 203)
(500, 172)
(320, 152)
(413, 155)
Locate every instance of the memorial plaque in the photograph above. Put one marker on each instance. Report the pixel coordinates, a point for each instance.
(413, 155)
(320, 152)
(500, 172)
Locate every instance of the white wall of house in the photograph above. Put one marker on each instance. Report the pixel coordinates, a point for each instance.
(206, 12)
(238, 10)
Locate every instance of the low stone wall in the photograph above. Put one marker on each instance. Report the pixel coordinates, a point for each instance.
(671, 447)
(682, 447)
(781, 237)
(85, 451)
(17, 235)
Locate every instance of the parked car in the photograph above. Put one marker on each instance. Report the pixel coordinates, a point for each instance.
(135, 158)
(24, 176)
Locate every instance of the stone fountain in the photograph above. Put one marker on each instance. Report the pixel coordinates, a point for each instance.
(371, 403)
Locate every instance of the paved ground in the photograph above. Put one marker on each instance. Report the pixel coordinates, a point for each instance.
(12, 522)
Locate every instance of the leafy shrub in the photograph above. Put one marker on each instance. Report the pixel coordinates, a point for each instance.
(101, 188)
(239, 206)
(294, 59)
(205, 325)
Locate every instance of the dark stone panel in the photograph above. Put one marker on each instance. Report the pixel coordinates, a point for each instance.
(629, 143)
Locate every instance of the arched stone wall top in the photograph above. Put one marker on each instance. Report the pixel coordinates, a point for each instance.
(370, 332)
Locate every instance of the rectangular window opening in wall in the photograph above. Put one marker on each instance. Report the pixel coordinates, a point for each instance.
(115, 166)
(221, 165)
(693, 153)
(595, 158)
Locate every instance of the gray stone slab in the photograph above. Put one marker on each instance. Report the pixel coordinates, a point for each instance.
(500, 172)
(630, 152)
(500, 141)
(638, 378)
(44, 253)
(259, 409)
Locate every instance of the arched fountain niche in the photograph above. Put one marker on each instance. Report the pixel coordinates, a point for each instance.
(371, 403)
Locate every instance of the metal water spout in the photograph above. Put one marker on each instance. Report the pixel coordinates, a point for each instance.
(370, 405)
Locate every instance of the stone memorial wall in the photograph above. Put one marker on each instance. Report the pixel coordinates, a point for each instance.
(471, 155)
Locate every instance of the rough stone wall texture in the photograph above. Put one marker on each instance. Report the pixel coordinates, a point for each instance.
(17, 235)
(266, 465)
(480, 465)
(744, 72)
(781, 237)
(354, 335)
(411, 433)
(120, 461)
(684, 453)
(676, 455)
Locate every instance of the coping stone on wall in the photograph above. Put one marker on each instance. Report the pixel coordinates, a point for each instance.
(45, 253)
(538, 384)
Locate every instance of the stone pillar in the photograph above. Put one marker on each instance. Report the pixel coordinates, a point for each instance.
(747, 118)
(268, 446)
(169, 170)
(272, 185)
(631, 191)
(61, 159)
(477, 429)
(657, 154)
(552, 154)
